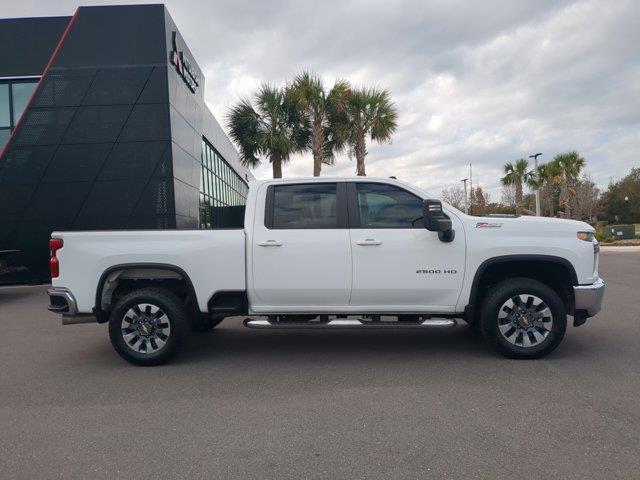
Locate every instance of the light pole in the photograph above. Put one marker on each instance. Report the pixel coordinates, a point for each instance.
(466, 204)
(626, 208)
(537, 192)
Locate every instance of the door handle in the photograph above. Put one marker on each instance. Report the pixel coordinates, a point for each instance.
(368, 241)
(270, 243)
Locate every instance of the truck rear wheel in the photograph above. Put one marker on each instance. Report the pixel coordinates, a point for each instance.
(147, 325)
(523, 318)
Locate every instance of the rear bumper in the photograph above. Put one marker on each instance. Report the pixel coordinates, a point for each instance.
(62, 301)
(588, 298)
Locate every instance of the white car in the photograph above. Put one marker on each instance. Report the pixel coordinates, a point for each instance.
(333, 253)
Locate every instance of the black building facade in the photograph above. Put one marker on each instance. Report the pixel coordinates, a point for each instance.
(103, 126)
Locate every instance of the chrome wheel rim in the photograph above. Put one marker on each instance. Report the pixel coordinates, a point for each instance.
(145, 328)
(525, 320)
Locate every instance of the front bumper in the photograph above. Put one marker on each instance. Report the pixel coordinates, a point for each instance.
(588, 298)
(62, 301)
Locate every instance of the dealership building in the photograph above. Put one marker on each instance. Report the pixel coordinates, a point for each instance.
(103, 126)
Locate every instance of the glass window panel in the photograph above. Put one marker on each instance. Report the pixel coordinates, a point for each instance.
(205, 186)
(205, 181)
(209, 183)
(4, 136)
(21, 95)
(5, 112)
(387, 206)
(305, 206)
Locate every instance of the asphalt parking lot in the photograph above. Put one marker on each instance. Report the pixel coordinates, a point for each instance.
(337, 405)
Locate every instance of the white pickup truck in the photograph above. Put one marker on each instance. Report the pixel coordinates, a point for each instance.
(333, 253)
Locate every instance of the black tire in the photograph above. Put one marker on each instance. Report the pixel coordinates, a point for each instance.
(509, 291)
(175, 317)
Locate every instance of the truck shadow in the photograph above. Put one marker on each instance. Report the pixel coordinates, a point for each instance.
(234, 341)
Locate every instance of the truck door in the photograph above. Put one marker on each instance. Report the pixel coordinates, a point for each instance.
(398, 265)
(301, 251)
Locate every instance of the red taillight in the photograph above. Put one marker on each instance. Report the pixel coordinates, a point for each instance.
(54, 267)
(55, 244)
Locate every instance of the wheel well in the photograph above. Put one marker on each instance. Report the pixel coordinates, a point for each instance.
(558, 275)
(116, 282)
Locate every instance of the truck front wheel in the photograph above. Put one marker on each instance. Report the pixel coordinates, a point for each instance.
(147, 325)
(523, 318)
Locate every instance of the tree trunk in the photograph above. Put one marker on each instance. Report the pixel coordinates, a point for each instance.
(317, 141)
(566, 199)
(317, 164)
(361, 153)
(518, 199)
(276, 164)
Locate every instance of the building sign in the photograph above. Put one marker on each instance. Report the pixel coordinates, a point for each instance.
(183, 66)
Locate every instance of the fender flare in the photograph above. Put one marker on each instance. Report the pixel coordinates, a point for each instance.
(475, 285)
(97, 309)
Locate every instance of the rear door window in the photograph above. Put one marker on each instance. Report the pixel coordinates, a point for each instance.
(304, 206)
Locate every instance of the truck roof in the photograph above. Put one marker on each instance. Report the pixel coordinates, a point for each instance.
(325, 179)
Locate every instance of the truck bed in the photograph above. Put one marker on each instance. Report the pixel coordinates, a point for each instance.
(214, 260)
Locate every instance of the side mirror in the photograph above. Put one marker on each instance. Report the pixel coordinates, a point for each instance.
(435, 220)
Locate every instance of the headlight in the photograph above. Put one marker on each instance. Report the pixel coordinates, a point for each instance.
(586, 236)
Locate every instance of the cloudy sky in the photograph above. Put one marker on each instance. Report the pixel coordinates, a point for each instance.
(474, 82)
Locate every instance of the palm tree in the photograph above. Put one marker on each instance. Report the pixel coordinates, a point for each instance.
(570, 164)
(319, 109)
(371, 112)
(546, 180)
(269, 128)
(517, 174)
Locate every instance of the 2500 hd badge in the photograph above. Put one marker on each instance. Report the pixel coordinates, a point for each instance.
(436, 271)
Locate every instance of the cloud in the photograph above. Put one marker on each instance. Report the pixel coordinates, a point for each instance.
(474, 82)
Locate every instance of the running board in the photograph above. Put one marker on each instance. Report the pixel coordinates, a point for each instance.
(350, 323)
